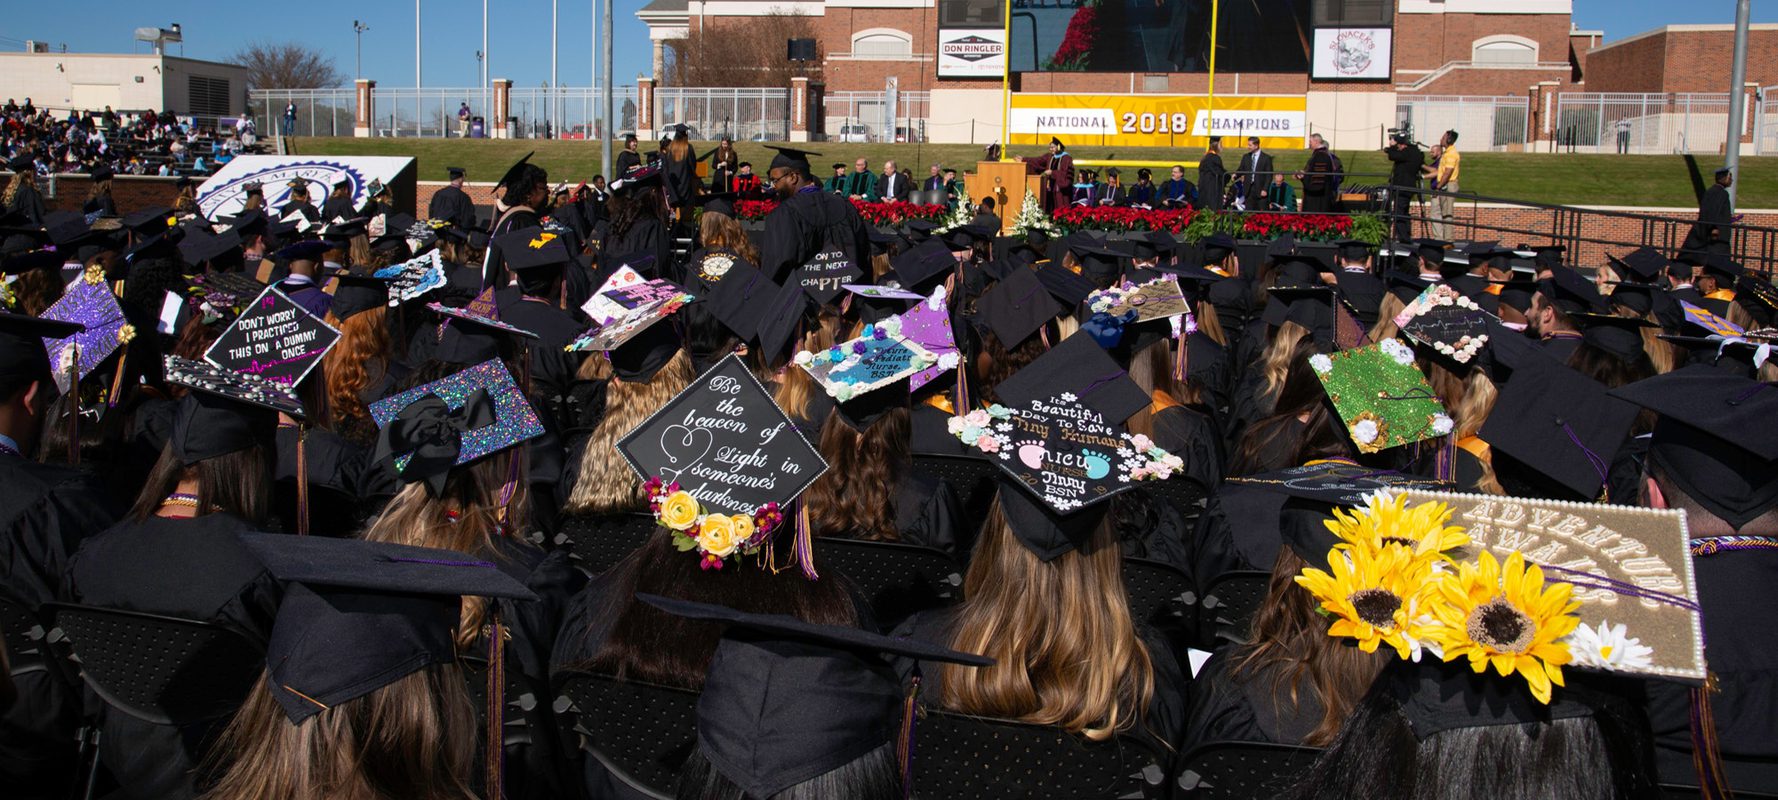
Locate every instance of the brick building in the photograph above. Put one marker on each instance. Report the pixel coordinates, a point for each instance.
(1506, 59)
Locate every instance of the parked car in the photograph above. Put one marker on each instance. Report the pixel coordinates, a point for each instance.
(853, 133)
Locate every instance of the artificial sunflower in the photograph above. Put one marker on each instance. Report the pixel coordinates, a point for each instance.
(1502, 614)
(1388, 520)
(1377, 595)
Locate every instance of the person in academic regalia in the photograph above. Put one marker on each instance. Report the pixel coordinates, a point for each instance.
(808, 222)
(680, 175)
(45, 512)
(629, 159)
(303, 283)
(1057, 171)
(361, 368)
(1716, 212)
(299, 202)
(451, 203)
(1213, 177)
(639, 224)
(22, 195)
(338, 204)
(176, 553)
(475, 502)
(1560, 297)
(101, 203)
(724, 160)
(361, 695)
(535, 305)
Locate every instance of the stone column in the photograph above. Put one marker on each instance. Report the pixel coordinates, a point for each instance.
(502, 106)
(800, 111)
(645, 109)
(660, 59)
(364, 117)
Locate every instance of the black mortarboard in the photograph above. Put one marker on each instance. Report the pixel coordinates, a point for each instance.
(1547, 255)
(1560, 423)
(150, 221)
(512, 173)
(921, 264)
(794, 158)
(64, 228)
(1078, 366)
(1715, 438)
(1723, 268)
(778, 325)
(359, 616)
(1354, 250)
(1216, 247)
(1299, 269)
(218, 419)
(1619, 336)
(735, 300)
(1308, 306)
(919, 230)
(1016, 307)
(1572, 292)
(786, 701)
(1097, 261)
(358, 293)
(532, 249)
(1280, 247)
(341, 232)
(1047, 533)
(964, 237)
(1723, 170)
(1437, 696)
(454, 172)
(1643, 265)
(102, 173)
(1432, 250)
(307, 250)
(22, 354)
(1069, 289)
(719, 202)
(1643, 298)
(198, 247)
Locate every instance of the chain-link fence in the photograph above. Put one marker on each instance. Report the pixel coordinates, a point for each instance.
(1611, 122)
(753, 115)
(866, 116)
(1481, 123)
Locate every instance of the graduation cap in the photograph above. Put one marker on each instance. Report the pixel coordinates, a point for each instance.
(919, 230)
(1642, 265)
(307, 250)
(881, 356)
(483, 311)
(964, 237)
(340, 232)
(1560, 424)
(1216, 247)
(1353, 249)
(88, 301)
(1336, 483)
(1280, 247)
(635, 343)
(1080, 367)
(825, 275)
(1016, 307)
(1018, 249)
(1543, 255)
(725, 409)
(150, 221)
(928, 323)
(783, 315)
(532, 249)
(64, 228)
(719, 203)
(454, 172)
(358, 293)
(736, 297)
(222, 415)
(1618, 335)
(1299, 269)
(1437, 696)
(359, 616)
(1381, 395)
(427, 430)
(1572, 292)
(1723, 268)
(637, 178)
(922, 263)
(273, 338)
(791, 157)
(1067, 286)
(1452, 325)
(1308, 306)
(251, 390)
(199, 247)
(1432, 250)
(22, 340)
(513, 172)
(1096, 260)
(786, 701)
(1714, 439)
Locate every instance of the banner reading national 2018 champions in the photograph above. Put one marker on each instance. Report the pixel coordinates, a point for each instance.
(1158, 120)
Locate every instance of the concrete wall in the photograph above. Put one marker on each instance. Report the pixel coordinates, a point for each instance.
(91, 81)
(1352, 120)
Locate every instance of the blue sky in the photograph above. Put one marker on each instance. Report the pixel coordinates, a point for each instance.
(519, 35)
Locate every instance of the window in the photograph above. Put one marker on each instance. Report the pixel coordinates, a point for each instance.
(882, 43)
(970, 13)
(1505, 49)
(1354, 13)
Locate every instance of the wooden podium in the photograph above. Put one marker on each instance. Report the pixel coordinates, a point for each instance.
(1006, 182)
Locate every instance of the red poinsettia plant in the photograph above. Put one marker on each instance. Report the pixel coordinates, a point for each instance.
(1312, 227)
(1077, 42)
(893, 212)
(1114, 218)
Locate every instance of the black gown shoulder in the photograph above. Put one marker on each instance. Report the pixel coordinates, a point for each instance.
(1251, 707)
(1239, 530)
(927, 514)
(46, 511)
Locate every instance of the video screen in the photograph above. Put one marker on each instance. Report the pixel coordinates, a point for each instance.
(1159, 35)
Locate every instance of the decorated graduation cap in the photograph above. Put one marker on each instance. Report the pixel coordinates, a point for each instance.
(1016, 307)
(1451, 324)
(22, 344)
(1381, 395)
(634, 341)
(483, 316)
(532, 249)
(428, 430)
(89, 302)
(359, 616)
(790, 157)
(358, 293)
(1559, 424)
(250, 390)
(224, 413)
(1714, 439)
(928, 324)
(787, 701)
(1335, 482)
(274, 338)
(150, 221)
(855, 372)
(1157, 299)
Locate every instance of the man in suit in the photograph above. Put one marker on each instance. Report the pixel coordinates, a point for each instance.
(935, 179)
(1212, 176)
(861, 184)
(451, 203)
(1255, 170)
(893, 186)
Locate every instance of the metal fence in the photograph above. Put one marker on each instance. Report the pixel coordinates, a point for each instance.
(866, 116)
(755, 115)
(402, 111)
(1601, 122)
(1481, 123)
(1765, 129)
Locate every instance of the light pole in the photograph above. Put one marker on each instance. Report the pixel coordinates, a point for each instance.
(553, 82)
(486, 112)
(358, 28)
(605, 139)
(1737, 97)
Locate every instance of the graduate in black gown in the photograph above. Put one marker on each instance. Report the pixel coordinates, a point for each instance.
(465, 489)
(176, 553)
(45, 512)
(534, 303)
(639, 225)
(298, 202)
(808, 222)
(451, 204)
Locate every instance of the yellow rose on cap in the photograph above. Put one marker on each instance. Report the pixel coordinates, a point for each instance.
(743, 528)
(679, 511)
(717, 535)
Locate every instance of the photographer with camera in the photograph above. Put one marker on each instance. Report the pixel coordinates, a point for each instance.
(1405, 163)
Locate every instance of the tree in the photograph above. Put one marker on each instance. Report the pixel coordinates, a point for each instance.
(286, 65)
(742, 51)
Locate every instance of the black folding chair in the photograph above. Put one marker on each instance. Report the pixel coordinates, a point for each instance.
(640, 732)
(1160, 594)
(957, 756)
(603, 540)
(970, 477)
(1228, 604)
(24, 636)
(159, 669)
(1242, 770)
(1677, 791)
(898, 579)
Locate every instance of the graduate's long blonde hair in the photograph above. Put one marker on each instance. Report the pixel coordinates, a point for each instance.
(1060, 632)
(606, 483)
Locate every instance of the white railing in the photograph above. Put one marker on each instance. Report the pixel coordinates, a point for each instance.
(1601, 122)
(1481, 123)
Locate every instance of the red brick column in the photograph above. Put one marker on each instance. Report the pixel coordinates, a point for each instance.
(802, 112)
(502, 107)
(645, 108)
